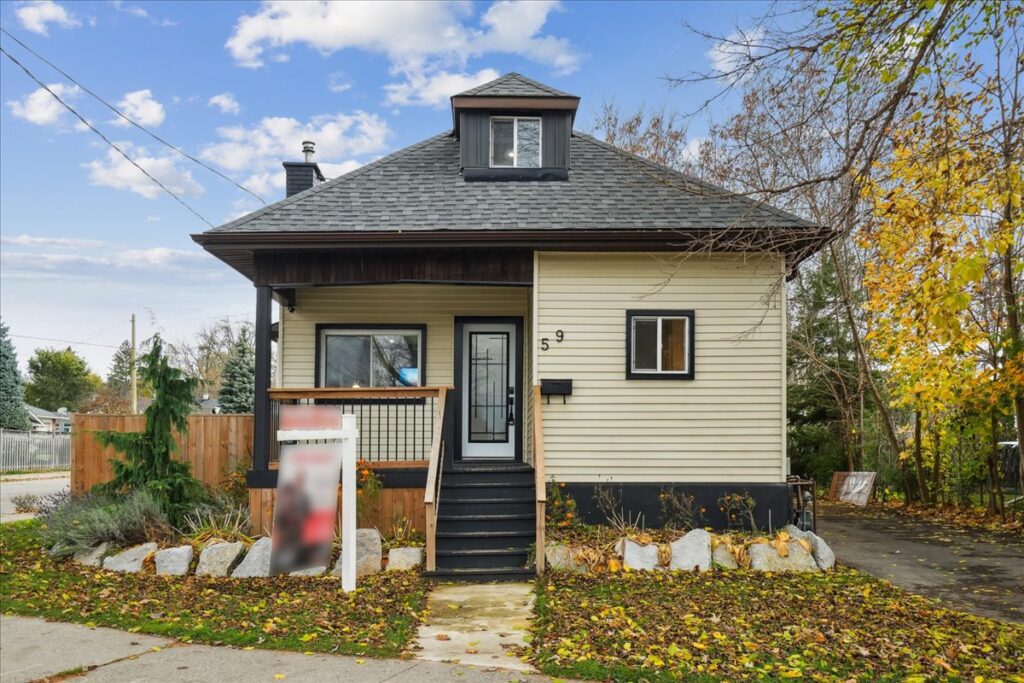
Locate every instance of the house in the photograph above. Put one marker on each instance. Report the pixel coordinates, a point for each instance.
(513, 302)
(49, 421)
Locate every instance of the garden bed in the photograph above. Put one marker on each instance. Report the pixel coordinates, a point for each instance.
(742, 625)
(288, 613)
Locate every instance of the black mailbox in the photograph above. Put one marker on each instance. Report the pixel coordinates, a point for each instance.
(556, 387)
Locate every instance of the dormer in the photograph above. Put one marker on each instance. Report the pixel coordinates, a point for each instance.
(514, 128)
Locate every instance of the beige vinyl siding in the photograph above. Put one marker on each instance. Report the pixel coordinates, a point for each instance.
(436, 306)
(726, 425)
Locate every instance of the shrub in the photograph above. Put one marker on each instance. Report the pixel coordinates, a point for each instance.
(26, 502)
(369, 488)
(52, 502)
(219, 519)
(86, 521)
(738, 509)
(561, 507)
(609, 502)
(679, 510)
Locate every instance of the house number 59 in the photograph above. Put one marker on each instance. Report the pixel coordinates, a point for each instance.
(545, 343)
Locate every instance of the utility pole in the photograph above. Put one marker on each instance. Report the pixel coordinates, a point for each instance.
(135, 373)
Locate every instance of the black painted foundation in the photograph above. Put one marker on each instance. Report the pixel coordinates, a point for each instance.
(772, 510)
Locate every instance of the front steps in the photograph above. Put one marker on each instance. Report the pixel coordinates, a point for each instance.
(486, 523)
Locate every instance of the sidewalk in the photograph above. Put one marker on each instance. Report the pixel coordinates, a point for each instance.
(31, 649)
(37, 484)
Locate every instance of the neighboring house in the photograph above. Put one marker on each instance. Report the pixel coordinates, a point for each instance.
(595, 318)
(49, 421)
(208, 406)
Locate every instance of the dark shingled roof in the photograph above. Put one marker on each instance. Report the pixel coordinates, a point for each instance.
(420, 188)
(513, 85)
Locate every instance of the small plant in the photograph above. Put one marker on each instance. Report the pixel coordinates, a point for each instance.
(738, 509)
(51, 503)
(369, 488)
(234, 485)
(220, 520)
(26, 502)
(86, 521)
(560, 510)
(679, 511)
(609, 502)
(403, 534)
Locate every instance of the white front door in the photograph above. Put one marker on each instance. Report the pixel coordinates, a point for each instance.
(489, 367)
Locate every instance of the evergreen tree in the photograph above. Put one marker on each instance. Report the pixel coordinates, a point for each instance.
(119, 378)
(12, 410)
(59, 379)
(239, 378)
(149, 462)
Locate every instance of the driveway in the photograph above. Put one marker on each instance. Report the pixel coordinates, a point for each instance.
(972, 571)
(42, 484)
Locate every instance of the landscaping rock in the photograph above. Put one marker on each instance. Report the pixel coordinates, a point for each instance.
(692, 551)
(401, 559)
(764, 558)
(312, 571)
(256, 562)
(174, 561)
(639, 556)
(823, 554)
(561, 556)
(216, 560)
(724, 558)
(93, 557)
(129, 561)
(368, 553)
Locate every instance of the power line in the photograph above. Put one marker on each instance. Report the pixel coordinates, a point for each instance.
(63, 341)
(104, 137)
(128, 119)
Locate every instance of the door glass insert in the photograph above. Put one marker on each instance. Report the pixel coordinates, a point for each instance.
(488, 387)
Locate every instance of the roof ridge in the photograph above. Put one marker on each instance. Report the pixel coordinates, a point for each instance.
(537, 84)
(722, 191)
(376, 163)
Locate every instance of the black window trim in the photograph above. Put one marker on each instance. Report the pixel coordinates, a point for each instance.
(421, 328)
(515, 118)
(660, 313)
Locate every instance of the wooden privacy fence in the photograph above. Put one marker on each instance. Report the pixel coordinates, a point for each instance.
(215, 446)
(34, 451)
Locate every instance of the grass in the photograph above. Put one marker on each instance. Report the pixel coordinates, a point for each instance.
(741, 625)
(286, 613)
(44, 470)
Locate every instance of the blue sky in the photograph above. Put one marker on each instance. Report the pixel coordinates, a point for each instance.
(86, 240)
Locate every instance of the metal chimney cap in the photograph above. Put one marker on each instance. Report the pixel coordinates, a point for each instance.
(308, 150)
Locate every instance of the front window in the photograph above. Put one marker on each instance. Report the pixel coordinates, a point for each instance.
(371, 358)
(515, 142)
(659, 344)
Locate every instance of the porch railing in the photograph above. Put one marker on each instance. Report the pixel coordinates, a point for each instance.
(540, 483)
(396, 424)
(433, 486)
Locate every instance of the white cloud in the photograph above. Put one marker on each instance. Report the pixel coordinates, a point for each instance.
(334, 170)
(259, 149)
(226, 102)
(36, 240)
(427, 43)
(115, 171)
(434, 89)
(42, 108)
(338, 82)
(37, 15)
(140, 106)
(733, 52)
(141, 13)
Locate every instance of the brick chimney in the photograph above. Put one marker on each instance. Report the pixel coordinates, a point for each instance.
(302, 175)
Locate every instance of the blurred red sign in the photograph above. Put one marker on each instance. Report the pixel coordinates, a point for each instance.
(309, 417)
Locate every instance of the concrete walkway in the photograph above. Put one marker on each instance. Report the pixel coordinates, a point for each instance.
(973, 571)
(477, 624)
(31, 649)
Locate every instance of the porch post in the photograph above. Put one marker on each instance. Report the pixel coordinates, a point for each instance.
(261, 399)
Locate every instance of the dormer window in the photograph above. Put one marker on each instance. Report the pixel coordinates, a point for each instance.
(515, 142)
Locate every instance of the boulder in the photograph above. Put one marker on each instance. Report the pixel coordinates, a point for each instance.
(174, 561)
(256, 562)
(723, 558)
(93, 557)
(368, 553)
(561, 556)
(692, 551)
(217, 559)
(765, 558)
(642, 556)
(311, 571)
(129, 561)
(401, 559)
(823, 554)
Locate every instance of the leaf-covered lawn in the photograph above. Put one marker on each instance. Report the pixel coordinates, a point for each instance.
(287, 613)
(740, 625)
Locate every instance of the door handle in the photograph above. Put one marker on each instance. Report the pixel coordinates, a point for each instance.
(511, 406)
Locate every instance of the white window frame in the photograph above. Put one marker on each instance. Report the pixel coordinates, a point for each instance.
(515, 140)
(370, 332)
(632, 372)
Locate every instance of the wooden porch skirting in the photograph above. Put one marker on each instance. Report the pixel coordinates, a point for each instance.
(218, 445)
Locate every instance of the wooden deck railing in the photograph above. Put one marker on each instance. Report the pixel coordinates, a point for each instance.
(430, 495)
(539, 478)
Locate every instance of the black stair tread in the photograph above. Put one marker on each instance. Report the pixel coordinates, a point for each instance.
(524, 499)
(482, 571)
(483, 484)
(483, 534)
(473, 517)
(495, 467)
(485, 551)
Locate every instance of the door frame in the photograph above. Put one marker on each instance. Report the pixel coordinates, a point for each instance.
(460, 322)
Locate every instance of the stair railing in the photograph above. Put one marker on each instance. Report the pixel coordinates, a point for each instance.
(540, 482)
(433, 486)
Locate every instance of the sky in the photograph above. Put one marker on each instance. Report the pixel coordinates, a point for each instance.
(86, 239)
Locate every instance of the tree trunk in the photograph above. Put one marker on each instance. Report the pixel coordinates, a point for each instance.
(1013, 327)
(937, 468)
(992, 460)
(922, 481)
